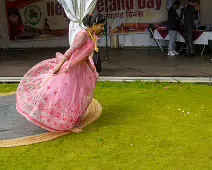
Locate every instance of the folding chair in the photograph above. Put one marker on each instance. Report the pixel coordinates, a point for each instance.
(151, 29)
(201, 27)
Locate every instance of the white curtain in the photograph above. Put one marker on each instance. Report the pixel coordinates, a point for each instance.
(75, 11)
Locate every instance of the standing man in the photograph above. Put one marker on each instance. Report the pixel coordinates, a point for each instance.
(169, 4)
(197, 14)
(173, 26)
(189, 26)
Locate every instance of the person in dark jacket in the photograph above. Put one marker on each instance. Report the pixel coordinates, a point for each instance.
(189, 26)
(173, 25)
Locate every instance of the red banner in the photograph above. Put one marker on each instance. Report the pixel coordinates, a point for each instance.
(46, 19)
(36, 19)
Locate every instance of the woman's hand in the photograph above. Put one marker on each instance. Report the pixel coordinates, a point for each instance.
(56, 69)
(93, 69)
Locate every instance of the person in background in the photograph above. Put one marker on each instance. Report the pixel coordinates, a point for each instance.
(197, 15)
(179, 45)
(173, 25)
(169, 4)
(188, 26)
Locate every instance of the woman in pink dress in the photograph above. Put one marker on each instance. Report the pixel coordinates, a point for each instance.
(55, 93)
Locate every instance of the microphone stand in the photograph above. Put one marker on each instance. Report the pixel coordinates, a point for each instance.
(106, 34)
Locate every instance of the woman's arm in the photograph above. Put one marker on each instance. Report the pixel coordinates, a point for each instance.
(79, 40)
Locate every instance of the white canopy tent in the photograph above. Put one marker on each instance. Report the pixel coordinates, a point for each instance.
(75, 11)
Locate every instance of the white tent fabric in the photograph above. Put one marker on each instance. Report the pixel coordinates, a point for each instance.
(75, 11)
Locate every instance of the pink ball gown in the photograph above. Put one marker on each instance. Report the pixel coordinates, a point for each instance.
(58, 102)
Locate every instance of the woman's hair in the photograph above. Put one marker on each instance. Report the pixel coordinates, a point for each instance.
(90, 19)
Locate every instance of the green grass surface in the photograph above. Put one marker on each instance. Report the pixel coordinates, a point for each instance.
(5, 88)
(143, 126)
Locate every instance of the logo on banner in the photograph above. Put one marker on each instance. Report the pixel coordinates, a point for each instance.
(32, 14)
